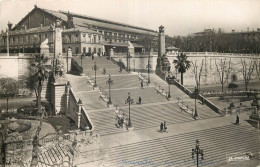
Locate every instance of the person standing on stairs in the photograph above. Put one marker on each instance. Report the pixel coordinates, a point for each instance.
(142, 84)
(161, 127)
(140, 100)
(165, 127)
(237, 120)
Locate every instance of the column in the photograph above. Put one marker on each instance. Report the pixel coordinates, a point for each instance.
(80, 105)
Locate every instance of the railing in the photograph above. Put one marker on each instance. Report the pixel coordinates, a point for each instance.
(143, 78)
(185, 108)
(213, 93)
(184, 89)
(48, 138)
(200, 97)
(216, 54)
(85, 121)
(209, 104)
(162, 91)
(103, 96)
(121, 117)
(74, 109)
(75, 68)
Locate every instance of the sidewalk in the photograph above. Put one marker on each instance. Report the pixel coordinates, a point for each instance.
(173, 129)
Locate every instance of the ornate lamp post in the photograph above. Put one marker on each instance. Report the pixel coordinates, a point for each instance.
(148, 69)
(169, 91)
(81, 57)
(195, 93)
(7, 36)
(7, 104)
(198, 152)
(109, 82)
(129, 101)
(95, 68)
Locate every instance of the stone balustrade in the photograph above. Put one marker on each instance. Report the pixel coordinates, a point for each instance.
(185, 108)
(162, 91)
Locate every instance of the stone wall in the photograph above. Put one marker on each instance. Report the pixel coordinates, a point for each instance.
(14, 66)
(139, 62)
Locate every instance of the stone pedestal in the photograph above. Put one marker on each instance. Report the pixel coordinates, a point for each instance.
(45, 48)
(58, 95)
(130, 128)
(68, 61)
(111, 53)
(131, 48)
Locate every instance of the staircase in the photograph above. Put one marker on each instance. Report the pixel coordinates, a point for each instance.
(175, 150)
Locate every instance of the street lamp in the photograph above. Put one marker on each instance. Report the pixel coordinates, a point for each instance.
(129, 101)
(95, 68)
(81, 57)
(195, 94)
(35, 43)
(7, 104)
(198, 152)
(109, 82)
(148, 69)
(169, 91)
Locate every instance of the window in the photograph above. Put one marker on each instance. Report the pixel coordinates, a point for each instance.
(63, 50)
(84, 49)
(95, 40)
(99, 50)
(77, 50)
(99, 39)
(76, 37)
(89, 36)
(69, 38)
(89, 50)
(95, 50)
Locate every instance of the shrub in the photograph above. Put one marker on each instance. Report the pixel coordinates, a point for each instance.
(9, 87)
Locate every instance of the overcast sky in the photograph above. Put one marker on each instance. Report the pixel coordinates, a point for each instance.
(180, 17)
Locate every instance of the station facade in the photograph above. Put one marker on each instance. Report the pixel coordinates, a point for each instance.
(83, 34)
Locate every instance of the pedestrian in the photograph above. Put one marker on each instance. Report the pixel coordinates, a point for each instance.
(92, 55)
(161, 127)
(165, 127)
(140, 100)
(237, 121)
(120, 69)
(142, 84)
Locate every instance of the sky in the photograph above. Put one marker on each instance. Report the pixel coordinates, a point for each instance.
(179, 17)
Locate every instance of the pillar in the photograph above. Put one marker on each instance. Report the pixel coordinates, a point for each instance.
(111, 53)
(161, 41)
(80, 105)
(58, 39)
(68, 60)
(131, 53)
(45, 48)
(67, 94)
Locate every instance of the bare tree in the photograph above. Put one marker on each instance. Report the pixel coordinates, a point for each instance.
(223, 70)
(247, 71)
(257, 67)
(197, 74)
